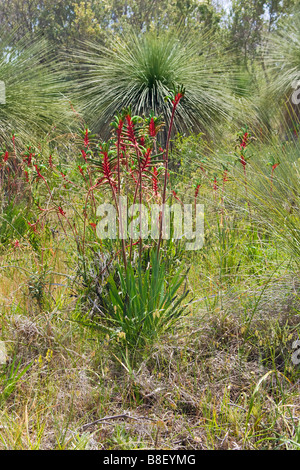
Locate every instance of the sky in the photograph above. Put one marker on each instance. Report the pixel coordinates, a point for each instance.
(225, 4)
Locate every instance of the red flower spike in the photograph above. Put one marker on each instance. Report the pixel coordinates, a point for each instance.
(120, 127)
(84, 155)
(62, 212)
(152, 129)
(107, 170)
(130, 130)
(197, 190)
(154, 181)
(215, 184)
(146, 160)
(243, 161)
(28, 158)
(178, 97)
(86, 138)
(244, 140)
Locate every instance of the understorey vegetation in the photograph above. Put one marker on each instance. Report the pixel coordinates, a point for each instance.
(149, 228)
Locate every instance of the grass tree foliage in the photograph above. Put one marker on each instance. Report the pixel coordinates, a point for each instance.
(35, 99)
(139, 70)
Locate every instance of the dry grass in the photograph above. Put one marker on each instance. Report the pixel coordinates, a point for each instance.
(193, 390)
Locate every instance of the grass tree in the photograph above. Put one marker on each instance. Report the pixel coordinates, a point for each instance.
(282, 63)
(139, 70)
(34, 100)
(283, 55)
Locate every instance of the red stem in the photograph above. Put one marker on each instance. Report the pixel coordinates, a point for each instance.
(165, 177)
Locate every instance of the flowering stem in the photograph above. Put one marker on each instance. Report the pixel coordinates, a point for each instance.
(138, 188)
(119, 193)
(175, 103)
